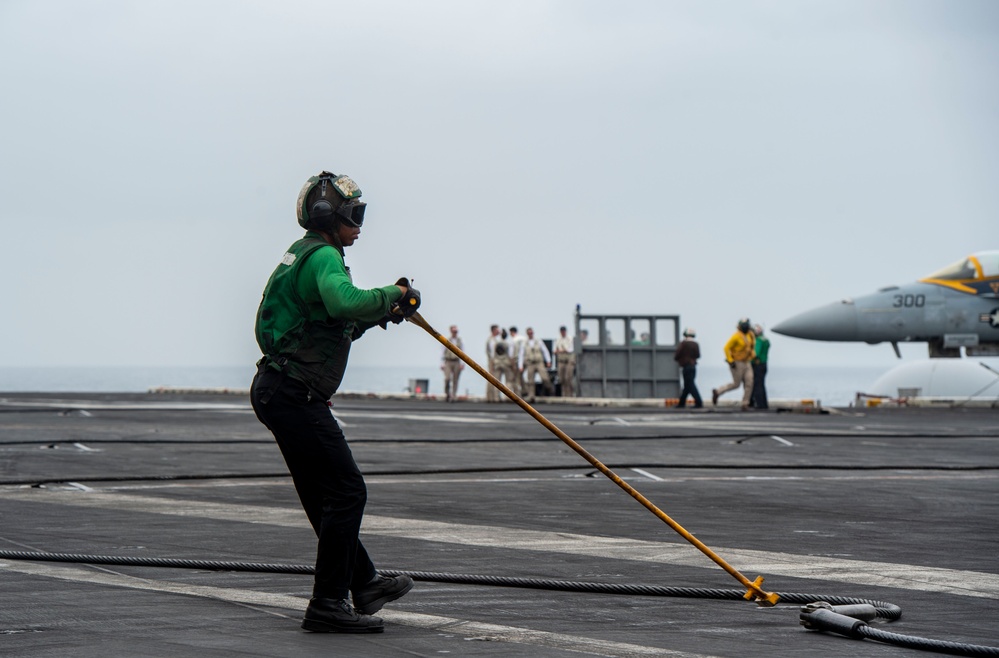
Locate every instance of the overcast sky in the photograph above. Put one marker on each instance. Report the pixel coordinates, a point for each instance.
(711, 159)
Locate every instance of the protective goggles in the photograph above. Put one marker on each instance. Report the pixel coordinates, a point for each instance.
(352, 213)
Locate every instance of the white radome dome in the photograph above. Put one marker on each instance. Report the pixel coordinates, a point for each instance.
(950, 378)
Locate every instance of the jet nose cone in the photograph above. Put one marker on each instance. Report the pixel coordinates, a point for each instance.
(836, 321)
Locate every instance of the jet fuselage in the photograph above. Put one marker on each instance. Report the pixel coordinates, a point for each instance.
(947, 313)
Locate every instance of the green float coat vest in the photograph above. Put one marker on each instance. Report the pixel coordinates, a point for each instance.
(312, 351)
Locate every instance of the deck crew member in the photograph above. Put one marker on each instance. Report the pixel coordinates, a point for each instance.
(565, 360)
(686, 356)
(516, 357)
(309, 315)
(762, 353)
(739, 351)
(535, 359)
(493, 361)
(452, 365)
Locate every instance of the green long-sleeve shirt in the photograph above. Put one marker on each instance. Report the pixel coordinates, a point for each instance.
(762, 349)
(321, 280)
(326, 287)
(311, 312)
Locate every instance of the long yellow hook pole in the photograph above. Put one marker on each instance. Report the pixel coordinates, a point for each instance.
(754, 590)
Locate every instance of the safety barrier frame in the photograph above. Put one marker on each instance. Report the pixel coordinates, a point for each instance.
(626, 356)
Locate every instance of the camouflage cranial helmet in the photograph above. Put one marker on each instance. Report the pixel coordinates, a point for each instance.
(744, 325)
(689, 332)
(328, 198)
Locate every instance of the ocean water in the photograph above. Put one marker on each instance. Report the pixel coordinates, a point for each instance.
(832, 385)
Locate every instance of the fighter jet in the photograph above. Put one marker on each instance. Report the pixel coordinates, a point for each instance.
(953, 308)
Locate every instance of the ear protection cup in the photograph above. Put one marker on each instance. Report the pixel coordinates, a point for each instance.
(321, 208)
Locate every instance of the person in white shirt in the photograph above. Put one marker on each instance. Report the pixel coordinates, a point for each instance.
(516, 359)
(535, 360)
(492, 393)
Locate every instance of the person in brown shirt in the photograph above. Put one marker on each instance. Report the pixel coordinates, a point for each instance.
(687, 354)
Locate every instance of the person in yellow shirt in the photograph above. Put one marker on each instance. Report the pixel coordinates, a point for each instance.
(739, 352)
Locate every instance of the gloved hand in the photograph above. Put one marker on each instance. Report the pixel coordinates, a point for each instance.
(405, 307)
(409, 303)
(731, 364)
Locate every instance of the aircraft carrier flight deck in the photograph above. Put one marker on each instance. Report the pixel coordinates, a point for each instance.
(167, 525)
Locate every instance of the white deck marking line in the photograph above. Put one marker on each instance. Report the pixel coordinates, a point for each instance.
(421, 417)
(127, 406)
(387, 480)
(645, 473)
(880, 574)
(784, 441)
(494, 632)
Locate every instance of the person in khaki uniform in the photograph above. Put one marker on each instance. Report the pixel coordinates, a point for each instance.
(739, 352)
(492, 361)
(507, 367)
(452, 366)
(516, 344)
(565, 360)
(536, 359)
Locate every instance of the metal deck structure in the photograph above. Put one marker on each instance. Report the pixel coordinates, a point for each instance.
(627, 356)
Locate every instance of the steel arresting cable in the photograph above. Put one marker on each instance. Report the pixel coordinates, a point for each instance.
(836, 623)
(739, 436)
(37, 482)
(940, 646)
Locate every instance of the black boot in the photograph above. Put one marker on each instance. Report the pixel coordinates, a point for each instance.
(337, 616)
(380, 591)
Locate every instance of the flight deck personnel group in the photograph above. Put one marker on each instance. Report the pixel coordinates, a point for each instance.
(517, 362)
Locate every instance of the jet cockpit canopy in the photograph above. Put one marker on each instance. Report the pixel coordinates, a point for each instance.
(978, 266)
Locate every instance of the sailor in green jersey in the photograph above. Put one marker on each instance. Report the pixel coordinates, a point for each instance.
(762, 353)
(310, 314)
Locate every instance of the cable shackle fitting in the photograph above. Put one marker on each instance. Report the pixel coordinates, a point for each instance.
(824, 619)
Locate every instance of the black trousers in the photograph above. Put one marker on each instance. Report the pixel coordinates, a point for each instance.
(689, 387)
(327, 479)
(759, 397)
